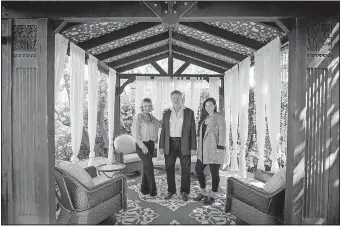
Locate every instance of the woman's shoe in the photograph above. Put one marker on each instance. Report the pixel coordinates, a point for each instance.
(199, 197)
(209, 201)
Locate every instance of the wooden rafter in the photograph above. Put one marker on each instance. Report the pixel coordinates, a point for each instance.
(133, 46)
(116, 35)
(202, 57)
(137, 56)
(224, 34)
(155, 7)
(182, 68)
(207, 46)
(158, 68)
(142, 62)
(60, 26)
(283, 25)
(198, 63)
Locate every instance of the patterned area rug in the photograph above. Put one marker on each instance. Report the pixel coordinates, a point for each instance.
(143, 209)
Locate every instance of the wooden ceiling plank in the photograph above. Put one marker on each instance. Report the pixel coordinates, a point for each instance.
(202, 57)
(224, 34)
(137, 56)
(207, 46)
(116, 35)
(141, 63)
(130, 47)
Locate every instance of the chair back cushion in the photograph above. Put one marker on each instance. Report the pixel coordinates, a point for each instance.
(262, 175)
(125, 144)
(77, 172)
(276, 182)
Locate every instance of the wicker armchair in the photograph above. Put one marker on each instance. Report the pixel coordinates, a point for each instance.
(125, 152)
(82, 205)
(252, 204)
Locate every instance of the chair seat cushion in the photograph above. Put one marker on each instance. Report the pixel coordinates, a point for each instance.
(253, 182)
(131, 158)
(100, 179)
(77, 172)
(276, 182)
(125, 144)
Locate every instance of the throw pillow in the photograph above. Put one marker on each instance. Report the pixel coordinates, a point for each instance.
(125, 144)
(76, 171)
(276, 182)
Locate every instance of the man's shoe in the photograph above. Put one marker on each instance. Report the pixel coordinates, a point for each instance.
(184, 196)
(199, 197)
(209, 201)
(169, 195)
(154, 194)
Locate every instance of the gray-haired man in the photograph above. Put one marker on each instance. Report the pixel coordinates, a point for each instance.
(178, 139)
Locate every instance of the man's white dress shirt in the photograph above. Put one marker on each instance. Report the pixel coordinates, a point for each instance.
(176, 122)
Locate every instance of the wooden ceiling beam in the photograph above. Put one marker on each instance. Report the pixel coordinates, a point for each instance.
(198, 63)
(133, 46)
(258, 11)
(137, 56)
(141, 63)
(116, 35)
(158, 68)
(182, 68)
(202, 57)
(128, 11)
(127, 76)
(207, 46)
(137, 11)
(224, 34)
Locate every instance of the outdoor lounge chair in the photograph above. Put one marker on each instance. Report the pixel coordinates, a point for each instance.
(252, 204)
(125, 152)
(81, 204)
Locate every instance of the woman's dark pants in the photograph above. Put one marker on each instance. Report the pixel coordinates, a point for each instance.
(148, 180)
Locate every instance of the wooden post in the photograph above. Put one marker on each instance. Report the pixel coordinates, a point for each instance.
(117, 108)
(296, 116)
(33, 122)
(6, 124)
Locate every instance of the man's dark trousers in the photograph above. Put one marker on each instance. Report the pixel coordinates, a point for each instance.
(170, 161)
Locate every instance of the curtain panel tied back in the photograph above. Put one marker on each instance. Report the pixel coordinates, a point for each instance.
(77, 98)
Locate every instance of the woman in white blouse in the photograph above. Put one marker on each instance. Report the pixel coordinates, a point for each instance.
(145, 131)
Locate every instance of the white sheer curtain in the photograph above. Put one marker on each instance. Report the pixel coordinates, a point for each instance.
(234, 102)
(196, 89)
(142, 84)
(111, 111)
(214, 89)
(243, 113)
(77, 98)
(92, 104)
(161, 99)
(227, 88)
(260, 92)
(61, 44)
(273, 98)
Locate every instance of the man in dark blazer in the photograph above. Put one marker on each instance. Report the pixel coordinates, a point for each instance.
(178, 139)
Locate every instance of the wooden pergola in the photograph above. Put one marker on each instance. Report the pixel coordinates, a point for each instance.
(127, 35)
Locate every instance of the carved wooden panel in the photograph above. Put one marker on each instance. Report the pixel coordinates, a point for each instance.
(32, 128)
(319, 40)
